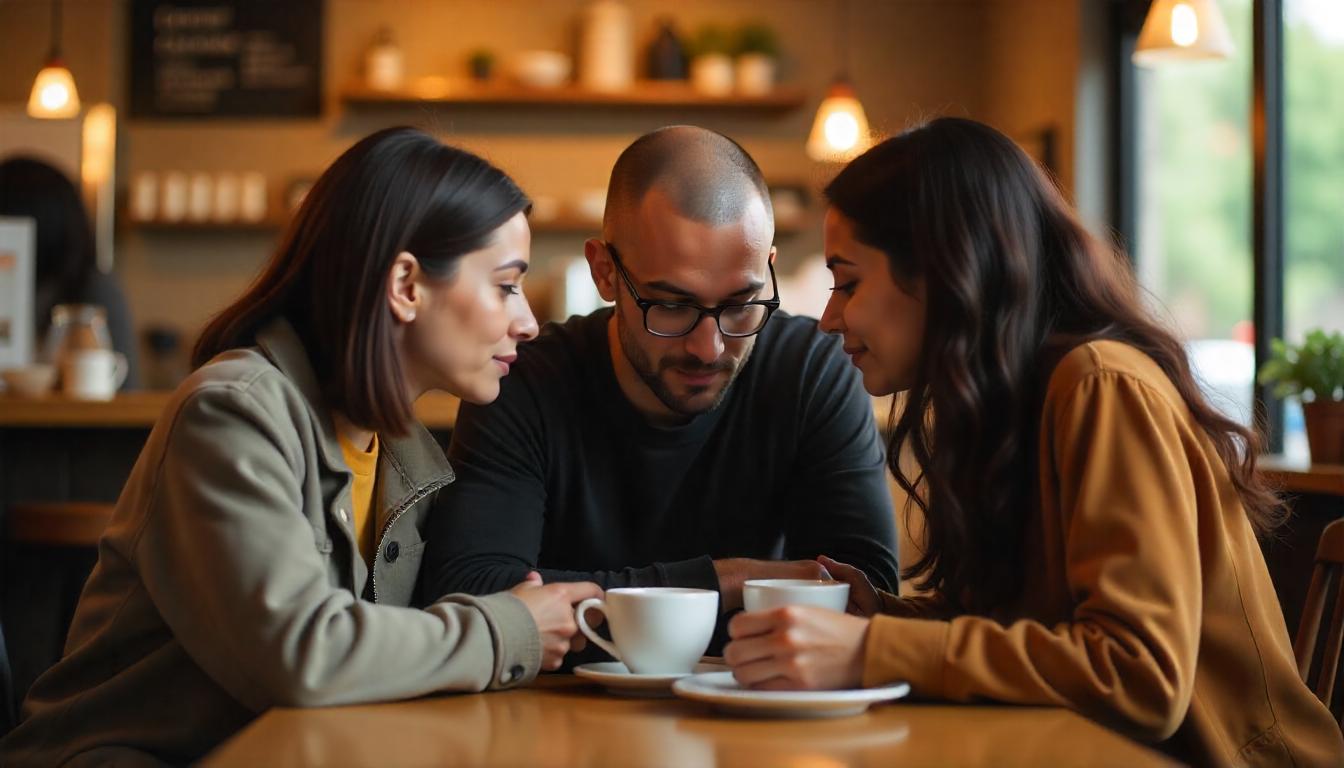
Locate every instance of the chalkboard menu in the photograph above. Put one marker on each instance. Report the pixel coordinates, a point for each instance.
(226, 58)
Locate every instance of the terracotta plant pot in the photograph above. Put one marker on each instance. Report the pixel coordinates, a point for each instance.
(1325, 430)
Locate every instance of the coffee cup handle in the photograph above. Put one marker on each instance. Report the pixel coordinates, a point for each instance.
(598, 604)
(120, 371)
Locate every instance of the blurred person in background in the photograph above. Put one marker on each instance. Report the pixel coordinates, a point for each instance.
(67, 267)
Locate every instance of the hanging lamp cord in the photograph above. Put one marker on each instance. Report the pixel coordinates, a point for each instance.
(55, 29)
(841, 38)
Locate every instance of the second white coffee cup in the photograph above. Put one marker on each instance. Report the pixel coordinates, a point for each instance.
(654, 630)
(93, 374)
(764, 594)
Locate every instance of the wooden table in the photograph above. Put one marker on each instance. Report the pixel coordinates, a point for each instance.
(436, 410)
(563, 721)
(1303, 477)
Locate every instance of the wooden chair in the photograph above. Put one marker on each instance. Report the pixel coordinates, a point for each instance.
(1326, 574)
(64, 534)
(57, 524)
(6, 688)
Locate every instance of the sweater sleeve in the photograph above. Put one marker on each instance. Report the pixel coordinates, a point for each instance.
(836, 493)
(1115, 451)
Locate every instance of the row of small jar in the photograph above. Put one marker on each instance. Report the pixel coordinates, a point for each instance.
(174, 196)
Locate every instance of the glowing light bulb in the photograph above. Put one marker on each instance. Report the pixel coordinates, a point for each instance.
(54, 96)
(842, 131)
(1184, 25)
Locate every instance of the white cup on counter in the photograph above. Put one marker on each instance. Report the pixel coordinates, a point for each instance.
(93, 374)
(654, 630)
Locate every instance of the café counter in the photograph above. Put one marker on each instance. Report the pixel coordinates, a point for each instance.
(436, 410)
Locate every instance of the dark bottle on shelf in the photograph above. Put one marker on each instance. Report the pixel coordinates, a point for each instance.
(667, 54)
(168, 364)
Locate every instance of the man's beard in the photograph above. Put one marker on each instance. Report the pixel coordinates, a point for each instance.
(653, 378)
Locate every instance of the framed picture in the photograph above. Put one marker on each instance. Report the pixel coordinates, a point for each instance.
(18, 248)
(1043, 146)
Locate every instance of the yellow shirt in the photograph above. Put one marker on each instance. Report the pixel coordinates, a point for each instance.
(1147, 605)
(364, 465)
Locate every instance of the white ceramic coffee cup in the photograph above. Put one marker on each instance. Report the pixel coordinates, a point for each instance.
(654, 630)
(93, 374)
(765, 594)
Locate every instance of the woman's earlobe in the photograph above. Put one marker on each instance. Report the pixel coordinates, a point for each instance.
(402, 290)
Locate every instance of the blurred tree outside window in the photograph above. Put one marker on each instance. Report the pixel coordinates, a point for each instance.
(1193, 250)
(1313, 281)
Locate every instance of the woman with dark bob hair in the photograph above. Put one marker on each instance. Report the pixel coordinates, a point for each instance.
(1090, 521)
(266, 548)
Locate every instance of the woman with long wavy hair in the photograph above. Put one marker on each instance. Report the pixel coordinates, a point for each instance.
(1090, 520)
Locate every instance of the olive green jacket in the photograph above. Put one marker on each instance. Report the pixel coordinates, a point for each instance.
(229, 582)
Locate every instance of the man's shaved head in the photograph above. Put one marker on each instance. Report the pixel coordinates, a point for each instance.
(707, 176)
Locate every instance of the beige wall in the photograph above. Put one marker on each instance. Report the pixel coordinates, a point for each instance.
(1031, 65)
(1009, 62)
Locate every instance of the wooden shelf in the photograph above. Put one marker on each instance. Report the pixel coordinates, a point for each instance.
(576, 225)
(561, 225)
(645, 94)
(269, 225)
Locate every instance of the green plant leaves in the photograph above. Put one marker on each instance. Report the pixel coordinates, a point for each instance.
(1315, 367)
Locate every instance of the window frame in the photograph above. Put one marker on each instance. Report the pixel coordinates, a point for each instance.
(1267, 135)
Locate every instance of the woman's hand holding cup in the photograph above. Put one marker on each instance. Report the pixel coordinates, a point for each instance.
(552, 609)
(863, 597)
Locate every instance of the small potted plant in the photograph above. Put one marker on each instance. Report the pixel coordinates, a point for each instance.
(1313, 372)
(757, 52)
(711, 65)
(481, 63)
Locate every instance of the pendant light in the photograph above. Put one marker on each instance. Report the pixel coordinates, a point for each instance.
(1182, 30)
(840, 130)
(54, 95)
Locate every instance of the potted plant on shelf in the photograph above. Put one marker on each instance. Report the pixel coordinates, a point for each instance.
(711, 66)
(757, 52)
(1315, 370)
(481, 64)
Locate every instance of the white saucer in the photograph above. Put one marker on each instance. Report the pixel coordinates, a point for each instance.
(722, 691)
(617, 679)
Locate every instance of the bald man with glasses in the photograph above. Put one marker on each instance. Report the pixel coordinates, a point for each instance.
(690, 436)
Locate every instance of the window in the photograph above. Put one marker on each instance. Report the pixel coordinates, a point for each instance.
(1192, 243)
(1313, 104)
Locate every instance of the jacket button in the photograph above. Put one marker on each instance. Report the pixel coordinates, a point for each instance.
(391, 552)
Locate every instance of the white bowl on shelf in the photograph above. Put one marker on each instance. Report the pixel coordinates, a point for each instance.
(33, 380)
(540, 69)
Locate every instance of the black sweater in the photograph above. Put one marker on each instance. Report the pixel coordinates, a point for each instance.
(562, 475)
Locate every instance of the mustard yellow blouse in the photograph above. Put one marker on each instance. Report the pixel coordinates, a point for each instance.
(1147, 605)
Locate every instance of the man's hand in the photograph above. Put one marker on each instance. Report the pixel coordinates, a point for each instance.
(734, 571)
(863, 598)
(797, 648)
(552, 609)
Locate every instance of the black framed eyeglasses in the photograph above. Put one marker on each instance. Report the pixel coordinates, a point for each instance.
(670, 319)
